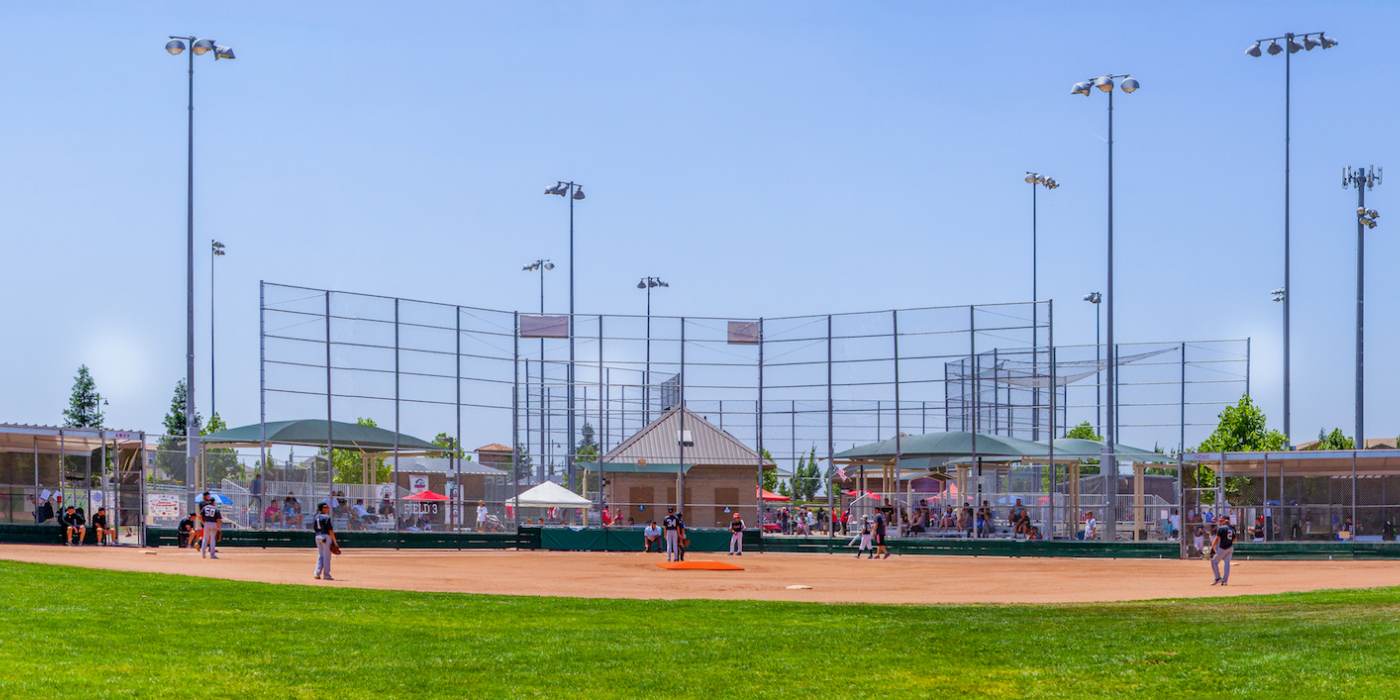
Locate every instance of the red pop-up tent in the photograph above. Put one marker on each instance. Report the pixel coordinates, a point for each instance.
(426, 496)
(767, 495)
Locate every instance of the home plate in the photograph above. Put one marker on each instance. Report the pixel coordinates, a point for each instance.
(700, 565)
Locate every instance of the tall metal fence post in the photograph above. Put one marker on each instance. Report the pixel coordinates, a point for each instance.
(758, 425)
(330, 425)
(262, 394)
(1180, 460)
(460, 507)
(830, 449)
(398, 506)
(680, 439)
(1050, 320)
(898, 439)
(515, 419)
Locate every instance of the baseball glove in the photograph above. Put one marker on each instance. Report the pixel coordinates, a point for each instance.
(335, 548)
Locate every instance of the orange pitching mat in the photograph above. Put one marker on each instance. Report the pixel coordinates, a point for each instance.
(700, 565)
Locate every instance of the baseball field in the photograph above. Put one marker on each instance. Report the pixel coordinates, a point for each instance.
(98, 622)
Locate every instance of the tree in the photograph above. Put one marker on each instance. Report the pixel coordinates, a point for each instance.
(220, 463)
(1242, 428)
(349, 464)
(770, 476)
(806, 477)
(170, 450)
(1084, 431)
(84, 403)
(783, 488)
(449, 445)
(587, 450)
(1334, 440)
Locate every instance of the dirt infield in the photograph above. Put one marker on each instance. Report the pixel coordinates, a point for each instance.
(832, 578)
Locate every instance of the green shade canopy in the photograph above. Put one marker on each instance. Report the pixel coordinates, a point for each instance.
(313, 433)
(949, 444)
(932, 450)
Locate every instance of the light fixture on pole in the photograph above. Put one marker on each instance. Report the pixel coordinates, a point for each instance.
(1362, 179)
(1036, 181)
(573, 192)
(1096, 298)
(1109, 462)
(1311, 40)
(198, 47)
(648, 283)
(541, 265)
(216, 250)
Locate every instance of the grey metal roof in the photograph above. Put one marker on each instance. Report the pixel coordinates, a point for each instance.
(443, 465)
(659, 442)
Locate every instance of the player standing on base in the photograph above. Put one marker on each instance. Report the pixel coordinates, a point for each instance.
(210, 518)
(671, 526)
(1222, 547)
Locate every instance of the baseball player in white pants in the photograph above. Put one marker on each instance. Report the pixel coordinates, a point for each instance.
(736, 536)
(210, 516)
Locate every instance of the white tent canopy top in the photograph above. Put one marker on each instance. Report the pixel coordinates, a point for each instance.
(552, 495)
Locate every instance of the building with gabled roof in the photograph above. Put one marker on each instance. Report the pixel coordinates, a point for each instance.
(720, 473)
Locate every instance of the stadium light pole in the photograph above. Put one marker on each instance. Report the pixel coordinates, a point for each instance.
(1105, 84)
(1362, 179)
(573, 192)
(1036, 181)
(542, 265)
(648, 283)
(197, 47)
(1096, 298)
(1309, 43)
(216, 251)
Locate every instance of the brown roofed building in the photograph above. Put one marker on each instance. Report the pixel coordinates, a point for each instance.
(720, 472)
(495, 455)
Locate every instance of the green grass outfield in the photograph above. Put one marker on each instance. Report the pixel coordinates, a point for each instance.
(75, 633)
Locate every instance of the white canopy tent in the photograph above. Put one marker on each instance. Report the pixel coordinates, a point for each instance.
(552, 495)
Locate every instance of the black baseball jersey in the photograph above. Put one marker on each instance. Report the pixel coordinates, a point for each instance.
(880, 523)
(210, 513)
(322, 524)
(736, 525)
(186, 525)
(99, 520)
(1226, 535)
(865, 528)
(77, 520)
(670, 522)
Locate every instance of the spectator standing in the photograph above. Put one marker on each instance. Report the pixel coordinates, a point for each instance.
(481, 515)
(1091, 527)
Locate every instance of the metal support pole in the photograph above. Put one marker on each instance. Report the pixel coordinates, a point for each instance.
(1098, 370)
(830, 446)
(898, 438)
(1109, 460)
(1360, 320)
(397, 429)
(996, 392)
(1287, 238)
(572, 442)
(459, 507)
(1050, 322)
(262, 393)
(1035, 325)
(191, 427)
(680, 466)
(515, 403)
(1181, 456)
(758, 423)
(646, 373)
(330, 425)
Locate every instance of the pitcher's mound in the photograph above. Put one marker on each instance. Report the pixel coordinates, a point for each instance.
(701, 565)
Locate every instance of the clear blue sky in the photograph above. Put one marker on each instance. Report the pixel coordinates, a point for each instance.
(765, 158)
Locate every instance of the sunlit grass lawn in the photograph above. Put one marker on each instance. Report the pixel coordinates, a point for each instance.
(67, 632)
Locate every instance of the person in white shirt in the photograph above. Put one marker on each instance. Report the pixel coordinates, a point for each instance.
(651, 536)
(481, 515)
(1091, 526)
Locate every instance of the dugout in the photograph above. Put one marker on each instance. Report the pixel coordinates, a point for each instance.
(681, 459)
(1313, 496)
(45, 468)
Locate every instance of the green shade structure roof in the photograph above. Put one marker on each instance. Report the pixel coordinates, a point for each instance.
(950, 444)
(1093, 449)
(312, 432)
